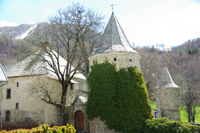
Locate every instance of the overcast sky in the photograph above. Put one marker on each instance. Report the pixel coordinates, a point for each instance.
(145, 22)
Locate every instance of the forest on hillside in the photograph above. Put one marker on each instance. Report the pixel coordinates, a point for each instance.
(183, 63)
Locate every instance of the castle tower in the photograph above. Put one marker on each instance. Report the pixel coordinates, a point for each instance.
(115, 47)
(169, 97)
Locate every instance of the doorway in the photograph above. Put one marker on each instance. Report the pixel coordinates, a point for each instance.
(79, 121)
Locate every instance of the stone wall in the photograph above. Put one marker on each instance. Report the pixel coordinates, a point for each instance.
(121, 59)
(28, 117)
(169, 103)
(98, 126)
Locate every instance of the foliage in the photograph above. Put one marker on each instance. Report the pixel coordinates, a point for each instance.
(120, 98)
(45, 129)
(169, 126)
(180, 52)
(192, 51)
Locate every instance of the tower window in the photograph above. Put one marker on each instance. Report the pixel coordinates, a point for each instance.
(115, 59)
(17, 84)
(8, 93)
(130, 60)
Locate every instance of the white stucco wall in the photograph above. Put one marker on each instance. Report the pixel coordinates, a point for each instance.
(31, 108)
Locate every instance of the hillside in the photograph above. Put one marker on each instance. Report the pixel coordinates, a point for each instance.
(17, 32)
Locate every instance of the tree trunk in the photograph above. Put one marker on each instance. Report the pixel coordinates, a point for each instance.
(193, 113)
(189, 113)
(62, 114)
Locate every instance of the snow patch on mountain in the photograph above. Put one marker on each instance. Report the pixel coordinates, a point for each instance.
(25, 34)
(7, 24)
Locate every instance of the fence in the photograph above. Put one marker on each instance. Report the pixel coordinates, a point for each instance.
(17, 126)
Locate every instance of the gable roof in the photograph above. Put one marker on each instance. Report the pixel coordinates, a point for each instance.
(83, 99)
(3, 77)
(113, 39)
(40, 68)
(167, 80)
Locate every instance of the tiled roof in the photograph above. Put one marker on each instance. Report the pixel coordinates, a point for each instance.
(113, 39)
(39, 68)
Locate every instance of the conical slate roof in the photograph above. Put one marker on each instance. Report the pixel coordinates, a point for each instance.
(166, 79)
(113, 38)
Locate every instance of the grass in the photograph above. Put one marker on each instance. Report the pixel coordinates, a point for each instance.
(183, 112)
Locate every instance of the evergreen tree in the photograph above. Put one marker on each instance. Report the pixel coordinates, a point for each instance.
(180, 52)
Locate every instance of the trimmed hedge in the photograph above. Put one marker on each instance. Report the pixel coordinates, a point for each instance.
(45, 129)
(169, 126)
(119, 98)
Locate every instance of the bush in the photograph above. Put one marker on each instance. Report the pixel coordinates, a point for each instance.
(119, 98)
(169, 126)
(45, 129)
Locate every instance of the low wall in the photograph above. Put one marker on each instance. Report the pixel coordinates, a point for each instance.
(17, 126)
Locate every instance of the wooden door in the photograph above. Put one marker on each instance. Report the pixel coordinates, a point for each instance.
(79, 121)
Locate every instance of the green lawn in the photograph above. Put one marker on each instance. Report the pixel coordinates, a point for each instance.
(183, 113)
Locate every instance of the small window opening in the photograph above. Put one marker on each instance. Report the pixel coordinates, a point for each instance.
(17, 105)
(8, 95)
(8, 115)
(17, 84)
(115, 59)
(130, 60)
(71, 86)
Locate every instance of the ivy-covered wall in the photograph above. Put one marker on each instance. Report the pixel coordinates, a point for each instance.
(119, 98)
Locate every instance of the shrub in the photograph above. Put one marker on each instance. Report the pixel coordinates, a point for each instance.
(119, 98)
(169, 126)
(45, 129)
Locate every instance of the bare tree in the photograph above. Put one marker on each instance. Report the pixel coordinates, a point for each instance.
(150, 63)
(190, 70)
(74, 31)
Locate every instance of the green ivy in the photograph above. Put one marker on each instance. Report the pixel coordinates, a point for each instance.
(119, 98)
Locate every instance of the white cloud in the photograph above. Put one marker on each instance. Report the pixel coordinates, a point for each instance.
(5, 23)
(168, 22)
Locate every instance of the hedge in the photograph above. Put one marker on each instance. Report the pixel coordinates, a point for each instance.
(45, 129)
(169, 126)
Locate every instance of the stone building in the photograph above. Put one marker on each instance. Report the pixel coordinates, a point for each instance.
(19, 103)
(169, 97)
(115, 47)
